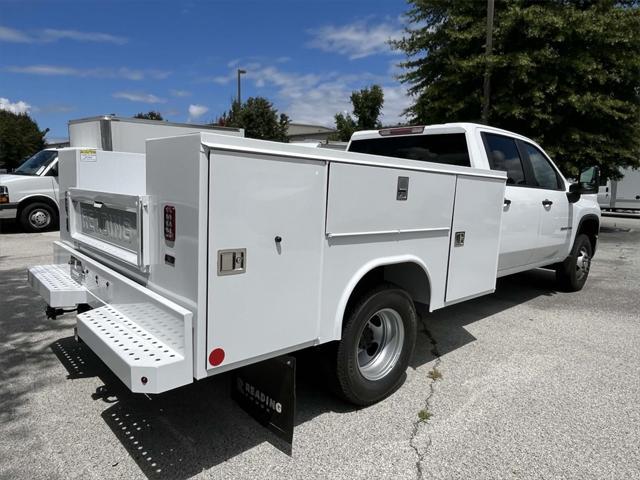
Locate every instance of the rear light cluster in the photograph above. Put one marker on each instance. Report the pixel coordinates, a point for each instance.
(170, 223)
(401, 131)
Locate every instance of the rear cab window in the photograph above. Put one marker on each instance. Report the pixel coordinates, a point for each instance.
(444, 148)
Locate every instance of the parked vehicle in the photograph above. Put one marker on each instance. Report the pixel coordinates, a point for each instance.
(623, 194)
(30, 193)
(245, 250)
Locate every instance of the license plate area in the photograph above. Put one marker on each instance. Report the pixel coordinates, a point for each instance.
(114, 224)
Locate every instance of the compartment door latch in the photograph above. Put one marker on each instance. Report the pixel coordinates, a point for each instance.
(232, 262)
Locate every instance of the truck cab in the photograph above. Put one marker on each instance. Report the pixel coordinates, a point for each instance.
(30, 193)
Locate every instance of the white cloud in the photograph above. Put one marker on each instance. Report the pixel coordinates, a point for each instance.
(14, 107)
(139, 97)
(316, 97)
(356, 40)
(196, 111)
(99, 72)
(50, 35)
(15, 36)
(180, 93)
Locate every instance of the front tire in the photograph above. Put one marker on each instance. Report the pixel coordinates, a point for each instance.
(38, 217)
(377, 344)
(573, 272)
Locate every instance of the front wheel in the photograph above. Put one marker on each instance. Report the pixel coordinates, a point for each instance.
(377, 343)
(573, 272)
(38, 217)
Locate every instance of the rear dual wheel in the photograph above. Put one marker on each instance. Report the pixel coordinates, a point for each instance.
(377, 343)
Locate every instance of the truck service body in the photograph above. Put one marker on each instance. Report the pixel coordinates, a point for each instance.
(211, 252)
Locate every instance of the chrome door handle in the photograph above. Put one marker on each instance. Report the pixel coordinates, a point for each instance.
(547, 203)
(507, 201)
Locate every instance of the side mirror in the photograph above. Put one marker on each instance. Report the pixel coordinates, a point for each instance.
(589, 180)
(588, 183)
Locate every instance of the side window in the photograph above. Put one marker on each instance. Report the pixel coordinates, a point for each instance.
(503, 155)
(544, 174)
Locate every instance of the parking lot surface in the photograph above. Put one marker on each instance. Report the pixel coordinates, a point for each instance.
(525, 383)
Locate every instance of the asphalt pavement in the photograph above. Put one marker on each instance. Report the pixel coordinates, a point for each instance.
(525, 383)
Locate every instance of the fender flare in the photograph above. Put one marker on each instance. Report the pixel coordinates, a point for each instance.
(359, 275)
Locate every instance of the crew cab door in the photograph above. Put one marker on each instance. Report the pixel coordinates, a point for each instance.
(536, 222)
(548, 190)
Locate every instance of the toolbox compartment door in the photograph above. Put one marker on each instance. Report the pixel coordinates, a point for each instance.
(266, 226)
(475, 237)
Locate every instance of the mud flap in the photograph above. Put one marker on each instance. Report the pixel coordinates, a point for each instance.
(267, 391)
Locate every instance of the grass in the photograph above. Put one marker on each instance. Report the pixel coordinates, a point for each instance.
(424, 415)
(434, 374)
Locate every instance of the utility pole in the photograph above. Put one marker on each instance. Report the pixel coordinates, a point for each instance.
(239, 97)
(487, 71)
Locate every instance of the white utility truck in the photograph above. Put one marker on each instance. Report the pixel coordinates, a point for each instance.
(30, 193)
(213, 252)
(623, 194)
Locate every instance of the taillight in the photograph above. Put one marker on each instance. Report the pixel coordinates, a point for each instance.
(170, 223)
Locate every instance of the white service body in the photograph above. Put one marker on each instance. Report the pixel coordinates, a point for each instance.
(338, 215)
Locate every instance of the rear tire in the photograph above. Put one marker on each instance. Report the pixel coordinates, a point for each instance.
(378, 339)
(38, 217)
(572, 274)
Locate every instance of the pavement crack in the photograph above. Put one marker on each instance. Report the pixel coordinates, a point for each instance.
(427, 403)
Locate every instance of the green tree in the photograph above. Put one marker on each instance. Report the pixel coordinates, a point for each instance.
(367, 104)
(20, 138)
(259, 119)
(563, 72)
(151, 115)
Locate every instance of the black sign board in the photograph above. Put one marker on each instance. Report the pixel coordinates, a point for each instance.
(267, 391)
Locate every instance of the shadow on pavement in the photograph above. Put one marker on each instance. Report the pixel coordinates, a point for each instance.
(185, 431)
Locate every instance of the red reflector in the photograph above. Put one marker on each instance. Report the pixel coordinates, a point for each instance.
(169, 223)
(216, 357)
(401, 131)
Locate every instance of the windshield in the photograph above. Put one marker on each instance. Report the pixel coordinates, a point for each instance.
(37, 164)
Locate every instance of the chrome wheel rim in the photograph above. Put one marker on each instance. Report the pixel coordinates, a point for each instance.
(380, 344)
(583, 263)
(39, 218)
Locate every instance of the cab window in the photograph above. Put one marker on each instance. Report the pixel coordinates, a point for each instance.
(544, 174)
(503, 154)
(446, 148)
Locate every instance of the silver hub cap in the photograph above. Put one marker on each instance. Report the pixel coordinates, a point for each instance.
(583, 263)
(39, 218)
(380, 344)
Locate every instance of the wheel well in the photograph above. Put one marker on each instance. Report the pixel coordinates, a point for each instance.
(40, 199)
(590, 226)
(409, 276)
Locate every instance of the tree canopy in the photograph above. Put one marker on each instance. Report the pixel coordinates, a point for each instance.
(20, 138)
(367, 104)
(259, 119)
(151, 115)
(563, 72)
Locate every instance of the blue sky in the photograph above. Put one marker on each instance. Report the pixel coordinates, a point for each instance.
(61, 60)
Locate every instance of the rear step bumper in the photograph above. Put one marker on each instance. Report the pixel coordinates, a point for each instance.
(145, 339)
